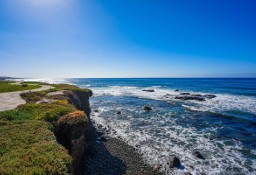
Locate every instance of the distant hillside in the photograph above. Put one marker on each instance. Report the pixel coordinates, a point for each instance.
(3, 77)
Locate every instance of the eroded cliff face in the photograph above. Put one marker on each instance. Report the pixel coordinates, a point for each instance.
(75, 131)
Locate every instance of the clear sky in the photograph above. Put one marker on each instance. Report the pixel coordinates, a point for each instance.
(128, 38)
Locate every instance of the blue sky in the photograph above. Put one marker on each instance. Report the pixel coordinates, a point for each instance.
(128, 38)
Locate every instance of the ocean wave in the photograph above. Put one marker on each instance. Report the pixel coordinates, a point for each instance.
(45, 80)
(222, 102)
(159, 137)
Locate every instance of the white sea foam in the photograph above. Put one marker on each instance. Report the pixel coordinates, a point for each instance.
(223, 102)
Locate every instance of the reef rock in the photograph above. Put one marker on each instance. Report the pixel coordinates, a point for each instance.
(147, 108)
(174, 162)
(148, 90)
(198, 155)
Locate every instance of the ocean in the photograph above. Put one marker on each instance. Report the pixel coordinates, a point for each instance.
(222, 129)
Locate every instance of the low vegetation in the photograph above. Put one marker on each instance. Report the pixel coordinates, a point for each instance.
(11, 87)
(45, 111)
(33, 97)
(29, 147)
(74, 117)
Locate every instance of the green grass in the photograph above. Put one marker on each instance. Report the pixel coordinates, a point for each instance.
(9, 87)
(46, 111)
(30, 147)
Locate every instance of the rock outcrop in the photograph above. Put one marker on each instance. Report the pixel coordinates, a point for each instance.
(80, 99)
(196, 97)
(74, 130)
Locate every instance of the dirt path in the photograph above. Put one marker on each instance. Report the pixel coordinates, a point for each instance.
(10, 100)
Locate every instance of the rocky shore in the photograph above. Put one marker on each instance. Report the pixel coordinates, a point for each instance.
(115, 157)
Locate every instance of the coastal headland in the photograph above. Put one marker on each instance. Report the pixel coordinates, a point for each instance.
(48, 131)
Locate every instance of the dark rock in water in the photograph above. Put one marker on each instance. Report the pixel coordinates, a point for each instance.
(147, 108)
(184, 93)
(210, 96)
(197, 95)
(187, 173)
(148, 90)
(198, 155)
(174, 162)
(166, 95)
(190, 98)
(176, 90)
(96, 110)
(103, 139)
(118, 112)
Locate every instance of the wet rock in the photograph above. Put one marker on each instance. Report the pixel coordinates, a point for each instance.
(198, 155)
(176, 90)
(185, 93)
(190, 98)
(96, 110)
(197, 95)
(187, 173)
(147, 108)
(148, 90)
(118, 112)
(174, 162)
(210, 96)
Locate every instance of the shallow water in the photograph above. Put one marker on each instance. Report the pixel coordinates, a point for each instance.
(222, 129)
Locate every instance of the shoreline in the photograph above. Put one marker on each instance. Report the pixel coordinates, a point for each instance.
(116, 157)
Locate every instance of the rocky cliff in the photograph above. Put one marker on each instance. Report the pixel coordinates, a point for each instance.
(74, 130)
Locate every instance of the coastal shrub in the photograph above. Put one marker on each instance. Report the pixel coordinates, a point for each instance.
(70, 127)
(10, 87)
(74, 118)
(33, 97)
(29, 147)
(46, 111)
